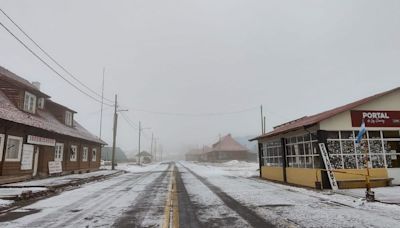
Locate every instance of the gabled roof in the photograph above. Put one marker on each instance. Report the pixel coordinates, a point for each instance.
(19, 81)
(43, 120)
(50, 102)
(227, 143)
(314, 119)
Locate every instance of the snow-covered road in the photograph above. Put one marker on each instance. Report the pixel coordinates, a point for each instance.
(102, 204)
(280, 205)
(208, 195)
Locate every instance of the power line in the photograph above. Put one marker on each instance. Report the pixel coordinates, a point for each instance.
(48, 55)
(50, 67)
(195, 114)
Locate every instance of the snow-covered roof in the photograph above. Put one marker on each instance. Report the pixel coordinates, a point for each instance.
(43, 120)
(19, 81)
(227, 143)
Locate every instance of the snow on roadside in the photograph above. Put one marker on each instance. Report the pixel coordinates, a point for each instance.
(234, 168)
(305, 207)
(134, 168)
(4, 203)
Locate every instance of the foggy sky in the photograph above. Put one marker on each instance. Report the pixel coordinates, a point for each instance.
(295, 58)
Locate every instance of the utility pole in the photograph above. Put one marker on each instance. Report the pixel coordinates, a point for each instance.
(102, 103)
(155, 149)
(140, 132)
(114, 134)
(262, 120)
(264, 126)
(151, 146)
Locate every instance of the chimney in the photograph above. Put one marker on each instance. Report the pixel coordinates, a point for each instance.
(36, 84)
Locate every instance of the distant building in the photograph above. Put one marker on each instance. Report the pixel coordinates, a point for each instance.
(106, 154)
(145, 157)
(39, 136)
(227, 149)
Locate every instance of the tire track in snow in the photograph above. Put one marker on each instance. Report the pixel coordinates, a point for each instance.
(145, 202)
(247, 214)
(92, 202)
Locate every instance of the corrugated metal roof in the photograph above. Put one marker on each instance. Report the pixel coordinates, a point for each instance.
(314, 119)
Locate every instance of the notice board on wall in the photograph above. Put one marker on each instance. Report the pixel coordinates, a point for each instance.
(55, 167)
(27, 157)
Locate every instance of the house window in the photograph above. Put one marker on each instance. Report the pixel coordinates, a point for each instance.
(68, 118)
(1, 146)
(94, 154)
(85, 154)
(58, 152)
(41, 103)
(14, 147)
(73, 153)
(30, 102)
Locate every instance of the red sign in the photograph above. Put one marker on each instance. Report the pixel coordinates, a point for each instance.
(375, 118)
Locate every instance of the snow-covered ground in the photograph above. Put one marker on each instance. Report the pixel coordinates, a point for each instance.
(99, 204)
(286, 205)
(53, 181)
(235, 168)
(389, 195)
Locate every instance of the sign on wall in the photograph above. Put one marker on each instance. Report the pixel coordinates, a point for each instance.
(27, 157)
(37, 140)
(328, 166)
(375, 118)
(55, 167)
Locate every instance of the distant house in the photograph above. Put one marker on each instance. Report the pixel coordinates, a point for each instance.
(227, 149)
(145, 157)
(106, 154)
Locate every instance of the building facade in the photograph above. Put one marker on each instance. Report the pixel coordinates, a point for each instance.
(291, 153)
(39, 137)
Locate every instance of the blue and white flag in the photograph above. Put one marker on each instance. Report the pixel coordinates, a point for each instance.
(361, 133)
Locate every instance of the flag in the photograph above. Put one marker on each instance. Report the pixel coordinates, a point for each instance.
(361, 133)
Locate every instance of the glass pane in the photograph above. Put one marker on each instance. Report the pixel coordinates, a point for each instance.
(309, 162)
(391, 134)
(375, 146)
(393, 160)
(392, 146)
(336, 161)
(300, 139)
(301, 149)
(348, 147)
(374, 134)
(293, 140)
(363, 147)
(333, 134)
(302, 163)
(361, 161)
(347, 134)
(317, 162)
(307, 137)
(350, 162)
(377, 161)
(315, 148)
(334, 147)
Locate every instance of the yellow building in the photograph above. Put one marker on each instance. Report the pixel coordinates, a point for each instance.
(290, 152)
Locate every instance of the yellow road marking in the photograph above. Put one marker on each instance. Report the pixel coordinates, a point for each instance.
(171, 211)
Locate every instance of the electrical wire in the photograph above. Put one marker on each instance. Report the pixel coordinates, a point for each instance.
(55, 61)
(195, 114)
(50, 67)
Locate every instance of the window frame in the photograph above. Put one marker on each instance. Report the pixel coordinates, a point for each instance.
(85, 156)
(21, 139)
(27, 102)
(69, 118)
(56, 147)
(40, 102)
(94, 155)
(76, 153)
